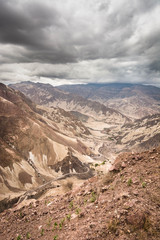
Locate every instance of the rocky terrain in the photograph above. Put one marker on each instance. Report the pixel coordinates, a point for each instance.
(49, 96)
(31, 144)
(110, 132)
(122, 204)
(137, 136)
(133, 100)
(86, 173)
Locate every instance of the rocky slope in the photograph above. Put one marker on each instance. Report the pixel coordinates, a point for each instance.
(47, 95)
(123, 204)
(109, 136)
(31, 144)
(138, 136)
(133, 100)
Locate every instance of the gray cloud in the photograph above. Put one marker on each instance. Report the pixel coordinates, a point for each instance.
(94, 40)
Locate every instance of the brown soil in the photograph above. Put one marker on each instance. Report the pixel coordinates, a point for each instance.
(124, 204)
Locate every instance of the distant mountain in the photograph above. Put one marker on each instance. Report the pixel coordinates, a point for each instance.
(33, 141)
(133, 100)
(140, 135)
(47, 95)
(107, 136)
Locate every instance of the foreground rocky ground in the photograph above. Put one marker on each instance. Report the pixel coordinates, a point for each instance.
(123, 204)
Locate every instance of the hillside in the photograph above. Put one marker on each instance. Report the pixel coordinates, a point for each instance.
(110, 132)
(49, 96)
(123, 204)
(133, 100)
(33, 141)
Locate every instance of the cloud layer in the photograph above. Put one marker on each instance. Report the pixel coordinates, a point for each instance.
(80, 41)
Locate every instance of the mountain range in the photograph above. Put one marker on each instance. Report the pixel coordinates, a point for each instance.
(133, 100)
(79, 161)
(33, 140)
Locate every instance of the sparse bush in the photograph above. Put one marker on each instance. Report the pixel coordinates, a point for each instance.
(93, 197)
(71, 204)
(42, 231)
(144, 184)
(129, 182)
(28, 235)
(68, 186)
(69, 216)
(55, 237)
(78, 210)
(61, 223)
(55, 225)
(103, 163)
(19, 237)
(60, 226)
(108, 178)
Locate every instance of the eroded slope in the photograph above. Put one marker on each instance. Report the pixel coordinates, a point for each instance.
(124, 204)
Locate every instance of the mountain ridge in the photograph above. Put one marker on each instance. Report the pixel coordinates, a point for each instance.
(31, 143)
(48, 95)
(133, 100)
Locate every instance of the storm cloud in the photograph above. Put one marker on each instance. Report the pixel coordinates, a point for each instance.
(80, 41)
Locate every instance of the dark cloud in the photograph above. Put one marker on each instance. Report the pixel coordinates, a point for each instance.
(35, 26)
(97, 40)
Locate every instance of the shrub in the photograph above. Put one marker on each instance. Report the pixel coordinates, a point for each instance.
(129, 182)
(28, 235)
(93, 197)
(19, 237)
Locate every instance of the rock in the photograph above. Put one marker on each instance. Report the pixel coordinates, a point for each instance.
(123, 165)
(73, 216)
(137, 219)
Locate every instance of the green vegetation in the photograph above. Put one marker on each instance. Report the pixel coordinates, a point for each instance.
(93, 197)
(19, 237)
(68, 216)
(42, 231)
(71, 204)
(28, 235)
(55, 226)
(46, 202)
(78, 210)
(144, 184)
(60, 226)
(55, 237)
(61, 223)
(129, 182)
(103, 163)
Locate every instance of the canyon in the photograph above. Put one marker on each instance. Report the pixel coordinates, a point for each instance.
(93, 146)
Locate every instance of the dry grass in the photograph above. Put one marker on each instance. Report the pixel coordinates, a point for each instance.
(68, 186)
(107, 178)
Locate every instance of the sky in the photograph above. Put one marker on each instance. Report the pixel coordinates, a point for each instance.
(80, 41)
